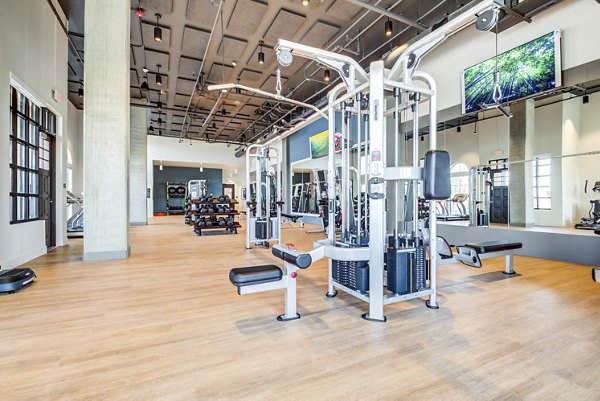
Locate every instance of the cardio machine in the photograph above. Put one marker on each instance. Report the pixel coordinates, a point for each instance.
(593, 221)
(596, 271)
(75, 222)
(458, 200)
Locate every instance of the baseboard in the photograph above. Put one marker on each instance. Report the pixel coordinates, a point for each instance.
(109, 255)
(24, 258)
(138, 223)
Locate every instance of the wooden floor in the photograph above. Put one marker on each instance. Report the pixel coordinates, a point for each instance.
(166, 324)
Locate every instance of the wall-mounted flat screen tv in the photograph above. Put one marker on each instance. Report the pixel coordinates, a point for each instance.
(526, 70)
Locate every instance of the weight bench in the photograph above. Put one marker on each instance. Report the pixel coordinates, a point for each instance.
(253, 279)
(472, 253)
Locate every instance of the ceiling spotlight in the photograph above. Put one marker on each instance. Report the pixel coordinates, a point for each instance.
(157, 30)
(158, 76)
(80, 90)
(586, 99)
(327, 75)
(389, 27)
(223, 112)
(145, 69)
(234, 63)
(150, 128)
(261, 55)
(305, 3)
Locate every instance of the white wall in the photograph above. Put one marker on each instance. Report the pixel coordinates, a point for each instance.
(577, 19)
(34, 52)
(169, 149)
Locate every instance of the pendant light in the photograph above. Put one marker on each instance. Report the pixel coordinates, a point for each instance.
(161, 166)
(150, 128)
(80, 90)
(389, 27)
(201, 168)
(305, 3)
(157, 30)
(327, 75)
(145, 69)
(475, 128)
(158, 76)
(224, 112)
(261, 55)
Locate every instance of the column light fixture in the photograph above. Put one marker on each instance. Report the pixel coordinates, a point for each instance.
(157, 29)
(261, 55)
(158, 76)
(389, 27)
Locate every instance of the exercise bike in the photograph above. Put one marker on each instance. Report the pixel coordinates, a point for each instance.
(593, 221)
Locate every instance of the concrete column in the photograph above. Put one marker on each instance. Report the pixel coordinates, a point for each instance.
(106, 130)
(137, 167)
(520, 142)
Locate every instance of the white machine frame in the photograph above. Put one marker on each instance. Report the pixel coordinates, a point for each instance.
(263, 155)
(287, 282)
(357, 82)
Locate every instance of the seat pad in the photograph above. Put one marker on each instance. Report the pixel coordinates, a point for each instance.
(251, 275)
(494, 246)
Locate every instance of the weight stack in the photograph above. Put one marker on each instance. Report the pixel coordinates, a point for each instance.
(260, 230)
(352, 274)
(406, 271)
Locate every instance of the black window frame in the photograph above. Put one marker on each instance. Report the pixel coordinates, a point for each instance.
(37, 121)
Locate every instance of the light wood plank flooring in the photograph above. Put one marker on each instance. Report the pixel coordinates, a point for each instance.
(166, 324)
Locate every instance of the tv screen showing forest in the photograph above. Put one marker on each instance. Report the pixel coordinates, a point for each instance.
(525, 70)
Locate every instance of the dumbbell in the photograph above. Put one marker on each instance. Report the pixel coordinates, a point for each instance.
(230, 221)
(219, 209)
(203, 209)
(222, 222)
(208, 222)
(226, 209)
(227, 198)
(222, 198)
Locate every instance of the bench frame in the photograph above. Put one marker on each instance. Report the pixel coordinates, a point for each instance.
(471, 257)
(287, 282)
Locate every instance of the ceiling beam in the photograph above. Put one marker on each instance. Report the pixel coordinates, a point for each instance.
(389, 14)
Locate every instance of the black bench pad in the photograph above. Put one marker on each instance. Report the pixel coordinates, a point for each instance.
(597, 232)
(494, 246)
(251, 275)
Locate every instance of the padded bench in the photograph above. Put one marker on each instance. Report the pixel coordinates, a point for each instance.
(494, 246)
(471, 254)
(243, 276)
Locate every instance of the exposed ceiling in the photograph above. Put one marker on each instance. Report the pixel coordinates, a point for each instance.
(187, 48)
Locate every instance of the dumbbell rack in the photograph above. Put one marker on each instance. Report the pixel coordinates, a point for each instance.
(232, 229)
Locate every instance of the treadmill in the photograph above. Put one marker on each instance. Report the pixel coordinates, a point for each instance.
(459, 200)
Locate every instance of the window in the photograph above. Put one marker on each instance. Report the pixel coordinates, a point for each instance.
(541, 184)
(28, 121)
(499, 171)
(459, 173)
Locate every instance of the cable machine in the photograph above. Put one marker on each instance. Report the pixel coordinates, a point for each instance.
(263, 208)
(374, 158)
